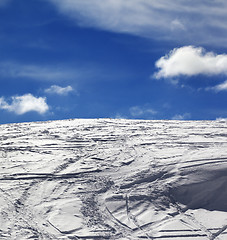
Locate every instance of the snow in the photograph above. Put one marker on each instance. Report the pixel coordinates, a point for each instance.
(113, 179)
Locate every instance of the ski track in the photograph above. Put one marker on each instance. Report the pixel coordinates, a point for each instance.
(113, 179)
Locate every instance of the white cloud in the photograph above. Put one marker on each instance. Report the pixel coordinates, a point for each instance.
(181, 116)
(137, 111)
(190, 61)
(24, 104)
(153, 19)
(54, 89)
(219, 87)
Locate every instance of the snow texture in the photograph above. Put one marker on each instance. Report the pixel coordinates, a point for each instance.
(114, 179)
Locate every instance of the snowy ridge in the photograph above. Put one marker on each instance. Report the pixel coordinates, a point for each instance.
(114, 179)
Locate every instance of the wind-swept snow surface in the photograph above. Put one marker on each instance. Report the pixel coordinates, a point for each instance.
(114, 179)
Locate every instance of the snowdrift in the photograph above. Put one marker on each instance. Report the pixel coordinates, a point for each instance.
(114, 179)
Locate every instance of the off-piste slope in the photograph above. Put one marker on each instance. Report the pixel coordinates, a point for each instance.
(114, 179)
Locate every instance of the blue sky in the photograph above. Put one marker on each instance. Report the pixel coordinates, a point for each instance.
(137, 59)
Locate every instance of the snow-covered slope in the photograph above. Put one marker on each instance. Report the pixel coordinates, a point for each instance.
(114, 179)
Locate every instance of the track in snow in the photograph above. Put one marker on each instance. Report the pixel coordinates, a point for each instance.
(114, 179)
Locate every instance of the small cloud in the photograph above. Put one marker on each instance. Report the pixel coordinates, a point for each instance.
(119, 116)
(177, 25)
(220, 119)
(23, 104)
(181, 116)
(190, 61)
(138, 111)
(35, 72)
(219, 87)
(54, 89)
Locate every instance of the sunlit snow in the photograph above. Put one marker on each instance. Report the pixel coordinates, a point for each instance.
(114, 179)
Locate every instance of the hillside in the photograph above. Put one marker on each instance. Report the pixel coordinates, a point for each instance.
(114, 179)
